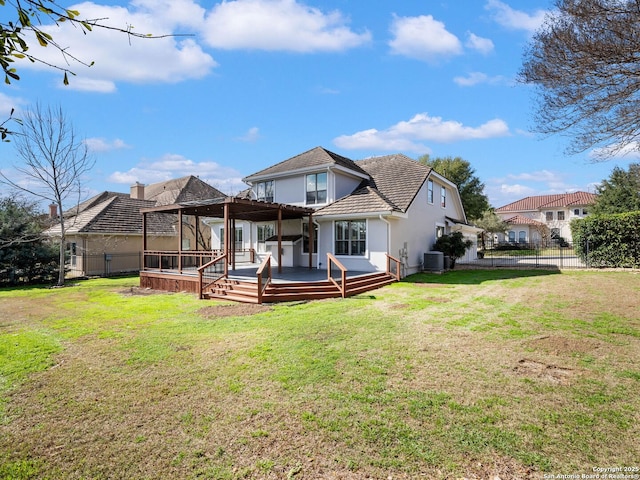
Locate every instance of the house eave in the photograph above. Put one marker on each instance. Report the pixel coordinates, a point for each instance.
(252, 179)
(349, 216)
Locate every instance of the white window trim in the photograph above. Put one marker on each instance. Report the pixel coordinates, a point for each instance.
(366, 240)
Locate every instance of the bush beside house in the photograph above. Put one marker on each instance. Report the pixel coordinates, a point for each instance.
(453, 245)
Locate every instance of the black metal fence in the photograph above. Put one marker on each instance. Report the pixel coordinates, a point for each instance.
(103, 264)
(525, 255)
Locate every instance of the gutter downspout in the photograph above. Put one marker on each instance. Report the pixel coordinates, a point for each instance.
(388, 233)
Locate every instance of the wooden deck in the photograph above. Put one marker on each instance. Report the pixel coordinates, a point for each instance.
(292, 284)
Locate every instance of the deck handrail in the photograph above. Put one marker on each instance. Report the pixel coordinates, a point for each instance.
(202, 269)
(266, 264)
(397, 262)
(343, 285)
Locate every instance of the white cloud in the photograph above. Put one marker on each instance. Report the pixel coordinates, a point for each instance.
(423, 38)
(102, 145)
(7, 104)
(629, 151)
(283, 25)
(169, 166)
(515, 19)
(476, 78)
(482, 45)
(252, 135)
(119, 57)
(538, 176)
(408, 135)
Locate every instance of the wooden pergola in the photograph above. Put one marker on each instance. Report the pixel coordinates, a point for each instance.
(231, 209)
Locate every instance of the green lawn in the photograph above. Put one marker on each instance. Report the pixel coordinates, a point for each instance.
(474, 374)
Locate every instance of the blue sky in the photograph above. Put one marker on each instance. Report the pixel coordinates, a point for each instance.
(258, 81)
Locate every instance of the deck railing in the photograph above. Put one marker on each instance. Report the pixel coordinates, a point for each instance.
(342, 286)
(264, 276)
(210, 273)
(396, 262)
(159, 260)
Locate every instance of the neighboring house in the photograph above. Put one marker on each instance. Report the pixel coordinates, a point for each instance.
(104, 233)
(538, 219)
(364, 210)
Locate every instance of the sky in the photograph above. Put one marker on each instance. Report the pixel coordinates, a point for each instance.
(229, 88)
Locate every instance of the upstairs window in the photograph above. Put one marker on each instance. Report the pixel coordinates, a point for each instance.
(316, 188)
(549, 216)
(430, 191)
(576, 211)
(264, 191)
(560, 215)
(443, 197)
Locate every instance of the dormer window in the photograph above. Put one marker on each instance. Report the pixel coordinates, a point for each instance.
(316, 187)
(264, 191)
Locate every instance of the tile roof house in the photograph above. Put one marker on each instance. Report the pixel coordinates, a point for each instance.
(363, 210)
(104, 233)
(538, 218)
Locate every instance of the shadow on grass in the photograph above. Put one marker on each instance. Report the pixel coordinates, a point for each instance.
(476, 276)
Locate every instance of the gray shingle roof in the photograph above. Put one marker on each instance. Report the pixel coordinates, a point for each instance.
(364, 200)
(397, 177)
(394, 182)
(179, 190)
(316, 157)
(118, 213)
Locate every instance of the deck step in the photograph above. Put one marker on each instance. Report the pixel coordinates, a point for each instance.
(247, 292)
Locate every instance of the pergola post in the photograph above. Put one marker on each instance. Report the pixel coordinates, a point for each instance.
(310, 241)
(180, 241)
(233, 243)
(144, 240)
(280, 239)
(226, 238)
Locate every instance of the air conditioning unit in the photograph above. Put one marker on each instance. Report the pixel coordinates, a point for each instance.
(433, 262)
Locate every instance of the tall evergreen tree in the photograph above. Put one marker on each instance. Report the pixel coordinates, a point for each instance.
(26, 256)
(619, 193)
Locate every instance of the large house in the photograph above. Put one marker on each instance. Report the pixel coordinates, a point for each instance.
(537, 219)
(360, 212)
(104, 233)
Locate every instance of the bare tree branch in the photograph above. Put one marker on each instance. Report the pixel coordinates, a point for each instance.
(54, 162)
(585, 63)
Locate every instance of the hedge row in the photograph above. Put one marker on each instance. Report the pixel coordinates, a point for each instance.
(608, 240)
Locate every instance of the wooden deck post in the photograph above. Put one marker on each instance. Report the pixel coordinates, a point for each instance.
(144, 240)
(233, 244)
(280, 239)
(226, 238)
(310, 241)
(180, 241)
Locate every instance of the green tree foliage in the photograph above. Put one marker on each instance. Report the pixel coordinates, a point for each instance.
(471, 189)
(620, 193)
(611, 240)
(490, 223)
(26, 256)
(584, 63)
(452, 245)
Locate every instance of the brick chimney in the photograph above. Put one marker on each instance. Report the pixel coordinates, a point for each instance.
(53, 211)
(137, 191)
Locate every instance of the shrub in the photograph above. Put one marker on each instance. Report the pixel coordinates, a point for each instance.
(452, 245)
(608, 240)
